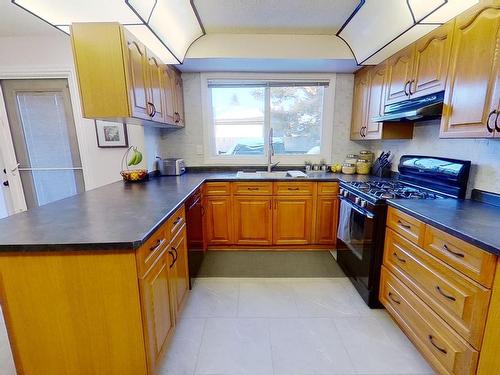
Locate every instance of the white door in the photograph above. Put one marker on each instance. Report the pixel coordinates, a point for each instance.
(45, 165)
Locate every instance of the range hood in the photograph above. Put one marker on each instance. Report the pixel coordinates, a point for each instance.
(419, 109)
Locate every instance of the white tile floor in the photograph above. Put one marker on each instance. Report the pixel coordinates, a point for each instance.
(280, 327)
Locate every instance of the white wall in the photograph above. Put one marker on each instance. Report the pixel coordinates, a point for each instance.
(188, 142)
(40, 55)
(484, 154)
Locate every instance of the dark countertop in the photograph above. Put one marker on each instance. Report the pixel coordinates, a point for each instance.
(474, 222)
(115, 216)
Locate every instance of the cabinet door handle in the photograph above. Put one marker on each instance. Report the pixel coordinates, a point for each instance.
(406, 226)
(409, 87)
(173, 259)
(398, 258)
(438, 288)
(406, 87)
(497, 127)
(393, 299)
(490, 116)
(156, 245)
(363, 131)
(460, 255)
(431, 339)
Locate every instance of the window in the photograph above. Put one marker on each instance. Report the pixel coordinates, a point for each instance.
(241, 112)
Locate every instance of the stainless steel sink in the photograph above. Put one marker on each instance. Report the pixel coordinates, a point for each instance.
(263, 174)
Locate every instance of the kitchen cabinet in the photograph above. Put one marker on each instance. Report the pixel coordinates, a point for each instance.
(179, 267)
(253, 220)
(218, 220)
(292, 220)
(472, 96)
(368, 102)
(159, 313)
(327, 210)
(359, 104)
(121, 80)
(399, 75)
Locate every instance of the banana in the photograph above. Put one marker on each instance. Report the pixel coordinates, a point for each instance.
(138, 157)
(132, 159)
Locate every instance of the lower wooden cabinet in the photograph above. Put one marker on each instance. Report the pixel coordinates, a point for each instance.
(218, 220)
(252, 220)
(158, 311)
(292, 220)
(327, 210)
(179, 267)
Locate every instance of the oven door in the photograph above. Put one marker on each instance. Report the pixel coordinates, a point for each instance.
(356, 233)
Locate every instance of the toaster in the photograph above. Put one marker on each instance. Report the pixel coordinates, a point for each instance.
(171, 166)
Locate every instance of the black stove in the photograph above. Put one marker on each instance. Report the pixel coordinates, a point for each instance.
(363, 212)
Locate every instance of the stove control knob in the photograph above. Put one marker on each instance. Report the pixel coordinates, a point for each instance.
(363, 203)
(357, 200)
(346, 193)
(341, 191)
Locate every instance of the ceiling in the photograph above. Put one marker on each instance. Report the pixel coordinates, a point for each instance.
(16, 22)
(274, 16)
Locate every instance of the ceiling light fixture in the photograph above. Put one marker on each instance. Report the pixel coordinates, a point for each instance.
(166, 27)
(376, 30)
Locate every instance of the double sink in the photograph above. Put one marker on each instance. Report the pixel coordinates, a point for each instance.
(276, 174)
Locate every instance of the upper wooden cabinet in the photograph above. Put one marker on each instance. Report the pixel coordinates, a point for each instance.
(121, 80)
(471, 103)
(399, 75)
(359, 104)
(421, 68)
(376, 102)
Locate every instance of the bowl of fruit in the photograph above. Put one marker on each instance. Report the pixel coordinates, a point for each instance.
(132, 158)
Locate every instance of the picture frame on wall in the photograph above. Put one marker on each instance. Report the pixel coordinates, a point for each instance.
(111, 134)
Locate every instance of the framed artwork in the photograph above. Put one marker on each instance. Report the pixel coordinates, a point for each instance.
(111, 134)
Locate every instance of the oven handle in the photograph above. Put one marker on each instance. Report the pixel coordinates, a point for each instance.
(369, 215)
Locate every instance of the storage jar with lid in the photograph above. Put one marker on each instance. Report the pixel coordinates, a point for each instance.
(349, 168)
(366, 155)
(351, 158)
(363, 166)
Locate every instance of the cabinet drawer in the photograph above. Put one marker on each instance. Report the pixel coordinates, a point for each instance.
(443, 348)
(328, 188)
(461, 302)
(217, 188)
(466, 258)
(293, 188)
(175, 222)
(406, 225)
(148, 253)
(252, 188)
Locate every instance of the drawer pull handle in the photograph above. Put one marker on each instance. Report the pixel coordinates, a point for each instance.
(177, 221)
(393, 299)
(294, 188)
(253, 188)
(398, 258)
(156, 245)
(460, 255)
(451, 298)
(431, 339)
(406, 226)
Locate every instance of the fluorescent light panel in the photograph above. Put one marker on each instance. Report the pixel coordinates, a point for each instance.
(379, 29)
(166, 27)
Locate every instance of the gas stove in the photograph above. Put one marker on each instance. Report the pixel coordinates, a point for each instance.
(363, 212)
(392, 189)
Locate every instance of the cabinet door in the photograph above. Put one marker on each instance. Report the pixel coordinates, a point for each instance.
(180, 262)
(158, 312)
(292, 220)
(218, 220)
(136, 64)
(472, 91)
(179, 97)
(359, 104)
(327, 212)
(376, 101)
(156, 99)
(168, 84)
(252, 220)
(399, 74)
(430, 65)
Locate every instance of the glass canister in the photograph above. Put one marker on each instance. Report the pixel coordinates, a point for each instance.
(349, 168)
(366, 155)
(363, 166)
(351, 158)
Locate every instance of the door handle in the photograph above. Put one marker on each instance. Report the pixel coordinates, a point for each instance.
(497, 127)
(406, 86)
(5, 183)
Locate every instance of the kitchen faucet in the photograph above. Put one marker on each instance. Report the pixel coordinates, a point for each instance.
(270, 152)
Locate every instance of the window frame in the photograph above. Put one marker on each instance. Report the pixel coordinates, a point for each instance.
(210, 158)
